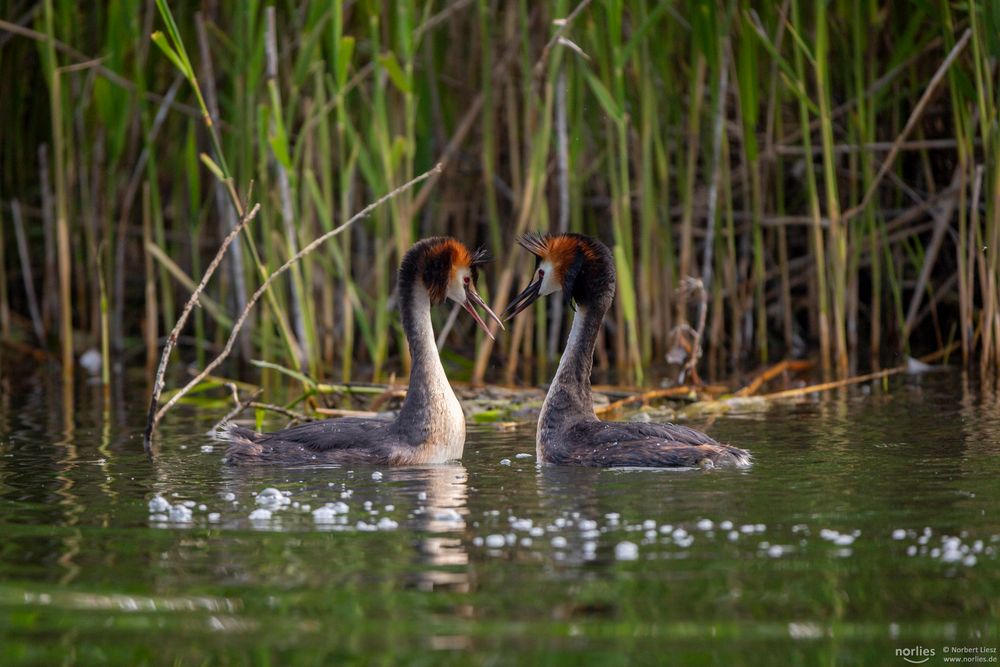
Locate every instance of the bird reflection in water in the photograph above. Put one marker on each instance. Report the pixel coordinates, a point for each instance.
(441, 557)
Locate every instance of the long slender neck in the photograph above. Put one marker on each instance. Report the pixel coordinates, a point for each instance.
(426, 369)
(569, 398)
(431, 410)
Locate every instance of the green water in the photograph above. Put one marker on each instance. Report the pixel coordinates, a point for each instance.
(868, 524)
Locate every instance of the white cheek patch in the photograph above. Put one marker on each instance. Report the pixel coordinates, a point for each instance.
(456, 288)
(549, 282)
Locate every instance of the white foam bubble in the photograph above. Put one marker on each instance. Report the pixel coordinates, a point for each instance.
(180, 514)
(385, 523)
(272, 498)
(447, 514)
(626, 551)
(158, 504)
(324, 515)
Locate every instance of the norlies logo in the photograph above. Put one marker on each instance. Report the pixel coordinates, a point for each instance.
(917, 655)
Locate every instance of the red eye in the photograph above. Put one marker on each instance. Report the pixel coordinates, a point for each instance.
(541, 273)
(467, 279)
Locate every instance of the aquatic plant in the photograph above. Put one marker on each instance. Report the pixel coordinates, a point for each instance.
(828, 170)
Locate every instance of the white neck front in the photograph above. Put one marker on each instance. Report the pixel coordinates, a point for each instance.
(431, 417)
(569, 398)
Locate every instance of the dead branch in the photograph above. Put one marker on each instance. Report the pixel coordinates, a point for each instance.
(154, 415)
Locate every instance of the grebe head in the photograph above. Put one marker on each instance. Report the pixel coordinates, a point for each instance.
(447, 270)
(581, 267)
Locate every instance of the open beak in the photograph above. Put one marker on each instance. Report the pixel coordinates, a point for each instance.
(473, 299)
(524, 299)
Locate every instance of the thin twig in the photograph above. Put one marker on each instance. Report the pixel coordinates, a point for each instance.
(784, 366)
(108, 74)
(713, 186)
(671, 392)
(448, 324)
(131, 190)
(689, 287)
(26, 274)
(338, 412)
(271, 407)
(871, 147)
(240, 406)
(228, 215)
(911, 122)
(562, 165)
(285, 192)
(942, 222)
(440, 18)
(560, 32)
(386, 396)
(500, 72)
(156, 416)
(826, 386)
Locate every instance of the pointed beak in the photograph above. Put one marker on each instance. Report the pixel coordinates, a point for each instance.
(473, 299)
(524, 299)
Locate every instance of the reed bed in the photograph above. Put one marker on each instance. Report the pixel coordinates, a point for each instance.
(827, 170)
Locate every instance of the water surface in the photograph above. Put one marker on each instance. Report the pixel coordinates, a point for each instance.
(867, 524)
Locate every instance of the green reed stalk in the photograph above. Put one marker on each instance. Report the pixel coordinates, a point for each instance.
(63, 234)
(818, 244)
(175, 51)
(747, 78)
(688, 175)
(837, 234)
(361, 92)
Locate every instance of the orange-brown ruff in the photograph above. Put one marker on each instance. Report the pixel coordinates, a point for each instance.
(569, 431)
(430, 427)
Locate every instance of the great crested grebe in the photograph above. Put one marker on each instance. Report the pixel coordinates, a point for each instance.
(569, 432)
(430, 427)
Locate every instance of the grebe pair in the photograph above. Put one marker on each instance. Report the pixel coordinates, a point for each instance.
(430, 427)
